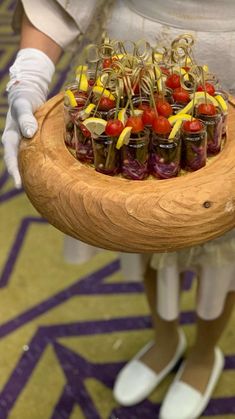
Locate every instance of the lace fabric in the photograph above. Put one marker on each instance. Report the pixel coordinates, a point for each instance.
(219, 252)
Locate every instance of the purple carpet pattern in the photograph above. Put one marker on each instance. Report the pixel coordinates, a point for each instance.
(99, 283)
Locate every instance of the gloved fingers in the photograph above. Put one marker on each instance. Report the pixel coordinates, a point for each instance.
(21, 111)
(11, 157)
(28, 125)
(10, 139)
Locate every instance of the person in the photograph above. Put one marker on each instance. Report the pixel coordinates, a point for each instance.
(42, 43)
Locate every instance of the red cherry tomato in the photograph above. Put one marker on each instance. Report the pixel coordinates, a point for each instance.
(107, 62)
(207, 109)
(114, 127)
(161, 125)
(136, 88)
(106, 104)
(158, 97)
(181, 95)
(164, 108)
(208, 87)
(91, 82)
(165, 70)
(186, 68)
(80, 98)
(85, 131)
(148, 116)
(143, 106)
(192, 126)
(173, 81)
(136, 123)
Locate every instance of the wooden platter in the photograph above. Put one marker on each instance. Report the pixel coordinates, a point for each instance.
(119, 214)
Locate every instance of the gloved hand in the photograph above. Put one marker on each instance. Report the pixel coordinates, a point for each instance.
(27, 90)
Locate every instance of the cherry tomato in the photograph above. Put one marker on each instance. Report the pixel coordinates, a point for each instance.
(165, 71)
(91, 82)
(143, 106)
(136, 123)
(107, 62)
(164, 108)
(161, 125)
(106, 104)
(136, 88)
(85, 131)
(159, 97)
(208, 87)
(207, 109)
(173, 81)
(192, 126)
(114, 127)
(186, 68)
(181, 95)
(148, 116)
(80, 98)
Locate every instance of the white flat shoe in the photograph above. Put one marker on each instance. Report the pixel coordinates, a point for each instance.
(183, 401)
(136, 380)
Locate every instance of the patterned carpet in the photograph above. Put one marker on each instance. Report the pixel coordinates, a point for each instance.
(66, 330)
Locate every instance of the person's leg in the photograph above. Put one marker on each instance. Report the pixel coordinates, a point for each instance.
(190, 393)
(76, 251)
(138, 378)
(200, 360)
(132, 266)
(165, 332)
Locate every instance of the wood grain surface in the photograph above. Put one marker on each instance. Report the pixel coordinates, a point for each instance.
(120, 214)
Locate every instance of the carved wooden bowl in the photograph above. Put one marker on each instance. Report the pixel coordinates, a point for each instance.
(120, 214)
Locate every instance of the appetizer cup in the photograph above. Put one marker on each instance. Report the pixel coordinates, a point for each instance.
(71, 113)
(164, 162)
(194, 149)
(134, 156)
(213, 124)
(106, 155)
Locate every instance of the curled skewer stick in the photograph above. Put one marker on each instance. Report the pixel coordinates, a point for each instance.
(91, 54)
(179, 53)
(200, 68)
(160, 54)
(186, 38)
(147, 87)
(191, 78)
(105, 50)
(154, 72)
(143, 50)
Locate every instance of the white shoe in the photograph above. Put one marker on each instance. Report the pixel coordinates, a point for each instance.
(183, 401)
(136, 380)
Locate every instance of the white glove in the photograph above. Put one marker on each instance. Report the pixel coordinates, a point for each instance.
(27, 90)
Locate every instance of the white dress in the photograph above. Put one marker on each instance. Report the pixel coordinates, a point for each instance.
(161, 21)
(212, 23)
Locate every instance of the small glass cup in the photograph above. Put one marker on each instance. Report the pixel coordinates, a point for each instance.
(106, 155)
(134, 157)
(224, 95)
(194, 149)
(164, 162)
(91, 75)
(83, 143)
(71, 114)
(213, 124)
